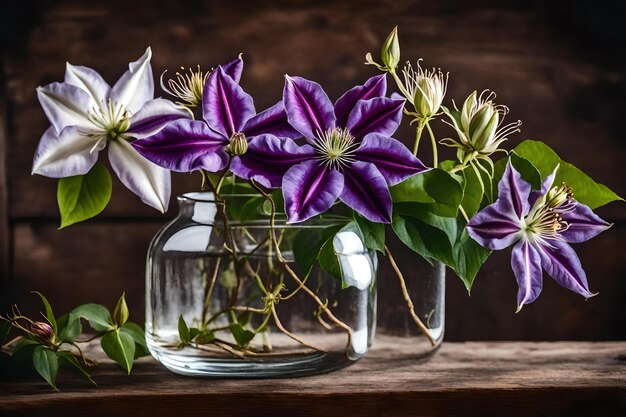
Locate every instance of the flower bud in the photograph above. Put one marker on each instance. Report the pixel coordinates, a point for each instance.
(480, 127)
(426, 89)
(238, 144)
(121, 313)
(43, 331)
(390, 53)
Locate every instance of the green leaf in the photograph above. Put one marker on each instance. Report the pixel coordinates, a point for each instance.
(307, 245)
(204, 337)
(120, 347)
(69, 328)
(473, 192)
(436, 187)
(49, 313)
(242, 336)
(97, 315)
(527, 170)
(46, 364)
(373, 233)
(423, 238)
(84, 196)
(469, 256)
(586, 190)
(139, 336)
(183, 331)
(329, 261)
(69, 360)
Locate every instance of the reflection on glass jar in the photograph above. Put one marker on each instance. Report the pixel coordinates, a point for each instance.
(228, 298)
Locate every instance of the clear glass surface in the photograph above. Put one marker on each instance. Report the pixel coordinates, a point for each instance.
(227, 280)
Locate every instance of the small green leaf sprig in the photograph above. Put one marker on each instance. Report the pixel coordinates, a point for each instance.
(46, 345)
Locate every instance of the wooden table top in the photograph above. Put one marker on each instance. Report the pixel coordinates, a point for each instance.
(462, 379)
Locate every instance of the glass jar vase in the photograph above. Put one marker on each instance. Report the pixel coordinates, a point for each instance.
(419, 333)
(226, 297)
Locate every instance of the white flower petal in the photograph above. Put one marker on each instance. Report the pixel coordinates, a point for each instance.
(88, 80)
(149, 181)
(66, 105)
(64, 155)
(136, 86)
(153, 116)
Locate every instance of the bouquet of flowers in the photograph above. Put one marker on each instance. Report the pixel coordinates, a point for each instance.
(308, 157)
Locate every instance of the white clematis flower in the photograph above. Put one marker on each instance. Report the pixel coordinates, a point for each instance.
(87, 114)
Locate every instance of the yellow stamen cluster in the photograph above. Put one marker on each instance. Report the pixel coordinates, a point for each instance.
(187, 86)
(336, 147)
(545, 219)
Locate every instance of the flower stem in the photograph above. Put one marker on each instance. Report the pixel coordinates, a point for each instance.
(407, 298)
(400, 85)
(292, 273)
(418, 134)
(433, 142)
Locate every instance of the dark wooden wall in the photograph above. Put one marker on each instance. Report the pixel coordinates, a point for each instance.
(559, 68)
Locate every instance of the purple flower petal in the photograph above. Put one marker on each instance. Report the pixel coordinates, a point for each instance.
(374, 87)
(153, 116)
(66, 154)
(513, 192)
(526, 264)
(394, 161)
(366, 191)
(272, 121)
(234, 69)
(135, 86)
(561, 263)
(308, 108)
(225, 106)
(185, 146)
(268, 158)
(309, 188)
(583, 224)
(66, 105)
(87, 80)
(147, 180)
(377, 115)
(494, 228)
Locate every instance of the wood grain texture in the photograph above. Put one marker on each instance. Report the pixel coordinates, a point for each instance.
(462, 379)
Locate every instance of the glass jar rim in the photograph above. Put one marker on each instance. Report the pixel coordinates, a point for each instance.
(320, 221)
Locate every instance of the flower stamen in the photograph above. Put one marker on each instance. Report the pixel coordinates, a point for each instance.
(335, 148)
(187, 86)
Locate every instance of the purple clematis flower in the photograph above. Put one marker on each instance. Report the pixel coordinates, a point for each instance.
(540, 224)
(350, 154)
(230, 121)
(86, 114)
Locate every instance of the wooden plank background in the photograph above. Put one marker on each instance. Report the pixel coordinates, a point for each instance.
(555, 66)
